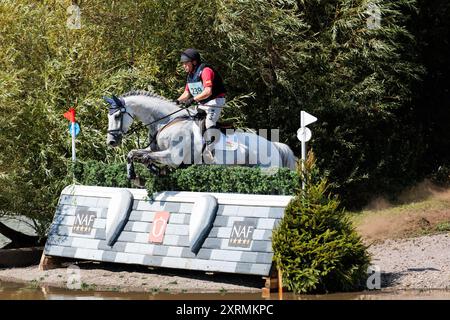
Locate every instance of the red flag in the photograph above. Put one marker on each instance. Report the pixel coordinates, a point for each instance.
(70, 115)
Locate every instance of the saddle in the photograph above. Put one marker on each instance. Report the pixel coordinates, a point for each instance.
(222, 126)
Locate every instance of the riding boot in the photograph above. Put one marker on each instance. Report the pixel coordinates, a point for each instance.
(209, 147)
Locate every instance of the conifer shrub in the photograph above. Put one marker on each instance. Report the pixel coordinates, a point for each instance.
(315, 245)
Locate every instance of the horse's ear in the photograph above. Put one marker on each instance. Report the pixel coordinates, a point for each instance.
(109, 100)
(117, 101)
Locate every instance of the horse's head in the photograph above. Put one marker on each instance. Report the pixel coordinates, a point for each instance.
(119, 120)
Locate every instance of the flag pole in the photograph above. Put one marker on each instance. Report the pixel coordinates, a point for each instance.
(303, 146)
(74, 157)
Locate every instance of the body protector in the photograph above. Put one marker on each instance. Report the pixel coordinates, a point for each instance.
(195, 84)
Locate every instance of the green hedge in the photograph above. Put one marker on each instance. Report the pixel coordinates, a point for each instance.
(209, 178)
(201, 178)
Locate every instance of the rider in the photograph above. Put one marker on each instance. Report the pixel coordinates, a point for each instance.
(204, 86)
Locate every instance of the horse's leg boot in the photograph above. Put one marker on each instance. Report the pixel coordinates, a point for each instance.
(131, 174)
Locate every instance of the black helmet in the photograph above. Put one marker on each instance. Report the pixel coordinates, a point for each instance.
(189, 55)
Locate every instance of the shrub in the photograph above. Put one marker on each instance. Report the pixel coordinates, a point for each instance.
(315, 245)
(216, 178)
(200, 178)
(441, 176)
(98, 173)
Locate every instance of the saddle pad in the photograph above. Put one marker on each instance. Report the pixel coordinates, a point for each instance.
(227, 142)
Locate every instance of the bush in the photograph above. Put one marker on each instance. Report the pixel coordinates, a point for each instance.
(315, 245)
(201, 178)
(97, 173)
(215, 178)
(441, 176)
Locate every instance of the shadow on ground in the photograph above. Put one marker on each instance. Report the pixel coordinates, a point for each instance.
(228, 278)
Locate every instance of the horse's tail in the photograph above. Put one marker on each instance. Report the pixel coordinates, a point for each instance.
(288, 159)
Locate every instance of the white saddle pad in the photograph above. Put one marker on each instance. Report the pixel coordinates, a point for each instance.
(227, 142)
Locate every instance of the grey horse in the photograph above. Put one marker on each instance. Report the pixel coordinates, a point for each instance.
(176, 137)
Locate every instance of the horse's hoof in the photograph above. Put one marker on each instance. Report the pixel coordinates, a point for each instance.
(154, 169)
(138, 182)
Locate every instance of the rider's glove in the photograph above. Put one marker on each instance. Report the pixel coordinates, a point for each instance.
(189, 102)
(176, 101)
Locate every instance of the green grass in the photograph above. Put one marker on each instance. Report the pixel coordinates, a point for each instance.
(443, 226)
(87, 287)
(155, 290)
(33, 284)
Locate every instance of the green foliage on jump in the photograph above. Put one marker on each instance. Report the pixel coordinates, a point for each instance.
(206, 178)
(200, 178)
(315, 245)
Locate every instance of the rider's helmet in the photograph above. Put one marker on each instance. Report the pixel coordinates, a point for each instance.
(190, 55)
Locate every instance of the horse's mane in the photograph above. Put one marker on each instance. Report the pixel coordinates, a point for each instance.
(144, 93)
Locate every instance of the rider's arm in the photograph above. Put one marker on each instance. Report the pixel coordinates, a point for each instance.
(205, 94)
(184, 96)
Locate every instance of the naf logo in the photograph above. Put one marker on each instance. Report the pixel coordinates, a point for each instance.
(84, 221)
(242, 234)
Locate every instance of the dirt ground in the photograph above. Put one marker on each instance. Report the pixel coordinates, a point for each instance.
(410, 244)
(425, 210)
(125, 278)
(413, 263)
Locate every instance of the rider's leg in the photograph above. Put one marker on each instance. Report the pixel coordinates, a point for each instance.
(213, 109)
(212, 115)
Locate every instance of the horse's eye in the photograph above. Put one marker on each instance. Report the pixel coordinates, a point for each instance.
(117, 116)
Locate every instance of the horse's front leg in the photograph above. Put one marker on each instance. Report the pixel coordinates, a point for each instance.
(171, 157)
(133, 155)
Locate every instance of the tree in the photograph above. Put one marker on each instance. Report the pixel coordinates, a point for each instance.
(431, 98)
(324, 57)
(315, 245)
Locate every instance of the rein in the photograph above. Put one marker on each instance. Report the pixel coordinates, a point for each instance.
(123, 110)
(140, 126)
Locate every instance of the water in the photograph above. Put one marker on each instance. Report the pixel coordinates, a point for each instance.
(19, 291)
(16, 291)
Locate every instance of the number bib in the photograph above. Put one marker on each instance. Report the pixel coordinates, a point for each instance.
(195, 88)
